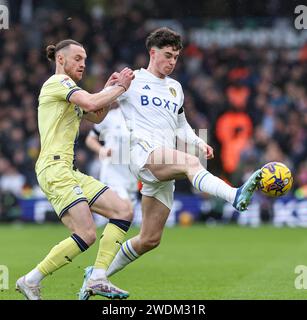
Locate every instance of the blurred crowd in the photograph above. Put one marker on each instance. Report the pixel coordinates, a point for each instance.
(253, 101)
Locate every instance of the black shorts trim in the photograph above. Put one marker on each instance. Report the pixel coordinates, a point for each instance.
(71, 205)
(98, 194)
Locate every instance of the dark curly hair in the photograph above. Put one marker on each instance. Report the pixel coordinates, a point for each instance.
(164, 37)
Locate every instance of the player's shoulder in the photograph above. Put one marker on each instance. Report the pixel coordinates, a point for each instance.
(138, 73)
(171, 80)
(143, 74)
(61, 80)
(139, 78)
(173, 83)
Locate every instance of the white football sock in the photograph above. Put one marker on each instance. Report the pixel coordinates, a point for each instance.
(204, 181)
(34, 277)
(124, 256)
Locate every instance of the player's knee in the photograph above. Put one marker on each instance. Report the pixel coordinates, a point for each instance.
(192, 162)
(150, 243)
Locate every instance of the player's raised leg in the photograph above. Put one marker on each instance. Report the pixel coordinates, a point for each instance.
(154, 216)
(120, 214)
(184, 164)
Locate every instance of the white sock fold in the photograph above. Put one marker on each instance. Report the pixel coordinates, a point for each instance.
(34, 277)
(98, 273)
(124, 256)
(204, 181)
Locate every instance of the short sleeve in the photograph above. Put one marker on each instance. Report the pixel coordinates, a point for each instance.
(62, 87)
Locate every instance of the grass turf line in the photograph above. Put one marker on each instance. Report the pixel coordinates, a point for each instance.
(198, 262)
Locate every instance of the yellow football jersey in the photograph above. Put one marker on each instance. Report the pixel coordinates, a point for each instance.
(58, 121)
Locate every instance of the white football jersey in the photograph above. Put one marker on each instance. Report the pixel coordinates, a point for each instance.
(114, 170)
(150, 107)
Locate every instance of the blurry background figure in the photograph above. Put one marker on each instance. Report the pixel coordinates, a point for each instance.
(110, 141)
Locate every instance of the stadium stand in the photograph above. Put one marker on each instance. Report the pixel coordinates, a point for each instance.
(262, 85)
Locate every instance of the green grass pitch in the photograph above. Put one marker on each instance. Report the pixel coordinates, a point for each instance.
(198, 262)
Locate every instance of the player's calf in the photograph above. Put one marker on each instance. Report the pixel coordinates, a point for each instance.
(193, 166)
(88, 236)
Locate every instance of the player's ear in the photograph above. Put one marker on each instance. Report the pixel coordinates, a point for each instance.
(60, 58)
(152, 52)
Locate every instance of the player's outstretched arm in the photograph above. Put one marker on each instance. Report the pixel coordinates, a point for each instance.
(97, 101)
(99, 115)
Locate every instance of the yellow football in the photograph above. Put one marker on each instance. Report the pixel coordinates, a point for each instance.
(276, 179)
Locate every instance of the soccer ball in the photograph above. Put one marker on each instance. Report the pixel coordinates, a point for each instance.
(276, 179)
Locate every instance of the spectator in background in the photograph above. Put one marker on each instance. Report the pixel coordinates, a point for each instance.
(269, 82)
(10, 179)
(233, 129)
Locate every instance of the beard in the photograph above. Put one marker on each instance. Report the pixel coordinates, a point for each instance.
(68, 70)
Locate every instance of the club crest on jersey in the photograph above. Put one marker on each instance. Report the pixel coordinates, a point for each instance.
(66, 82)
(78, 190)
(173, 91)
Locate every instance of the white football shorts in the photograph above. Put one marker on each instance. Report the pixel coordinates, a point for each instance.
(152, 187)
